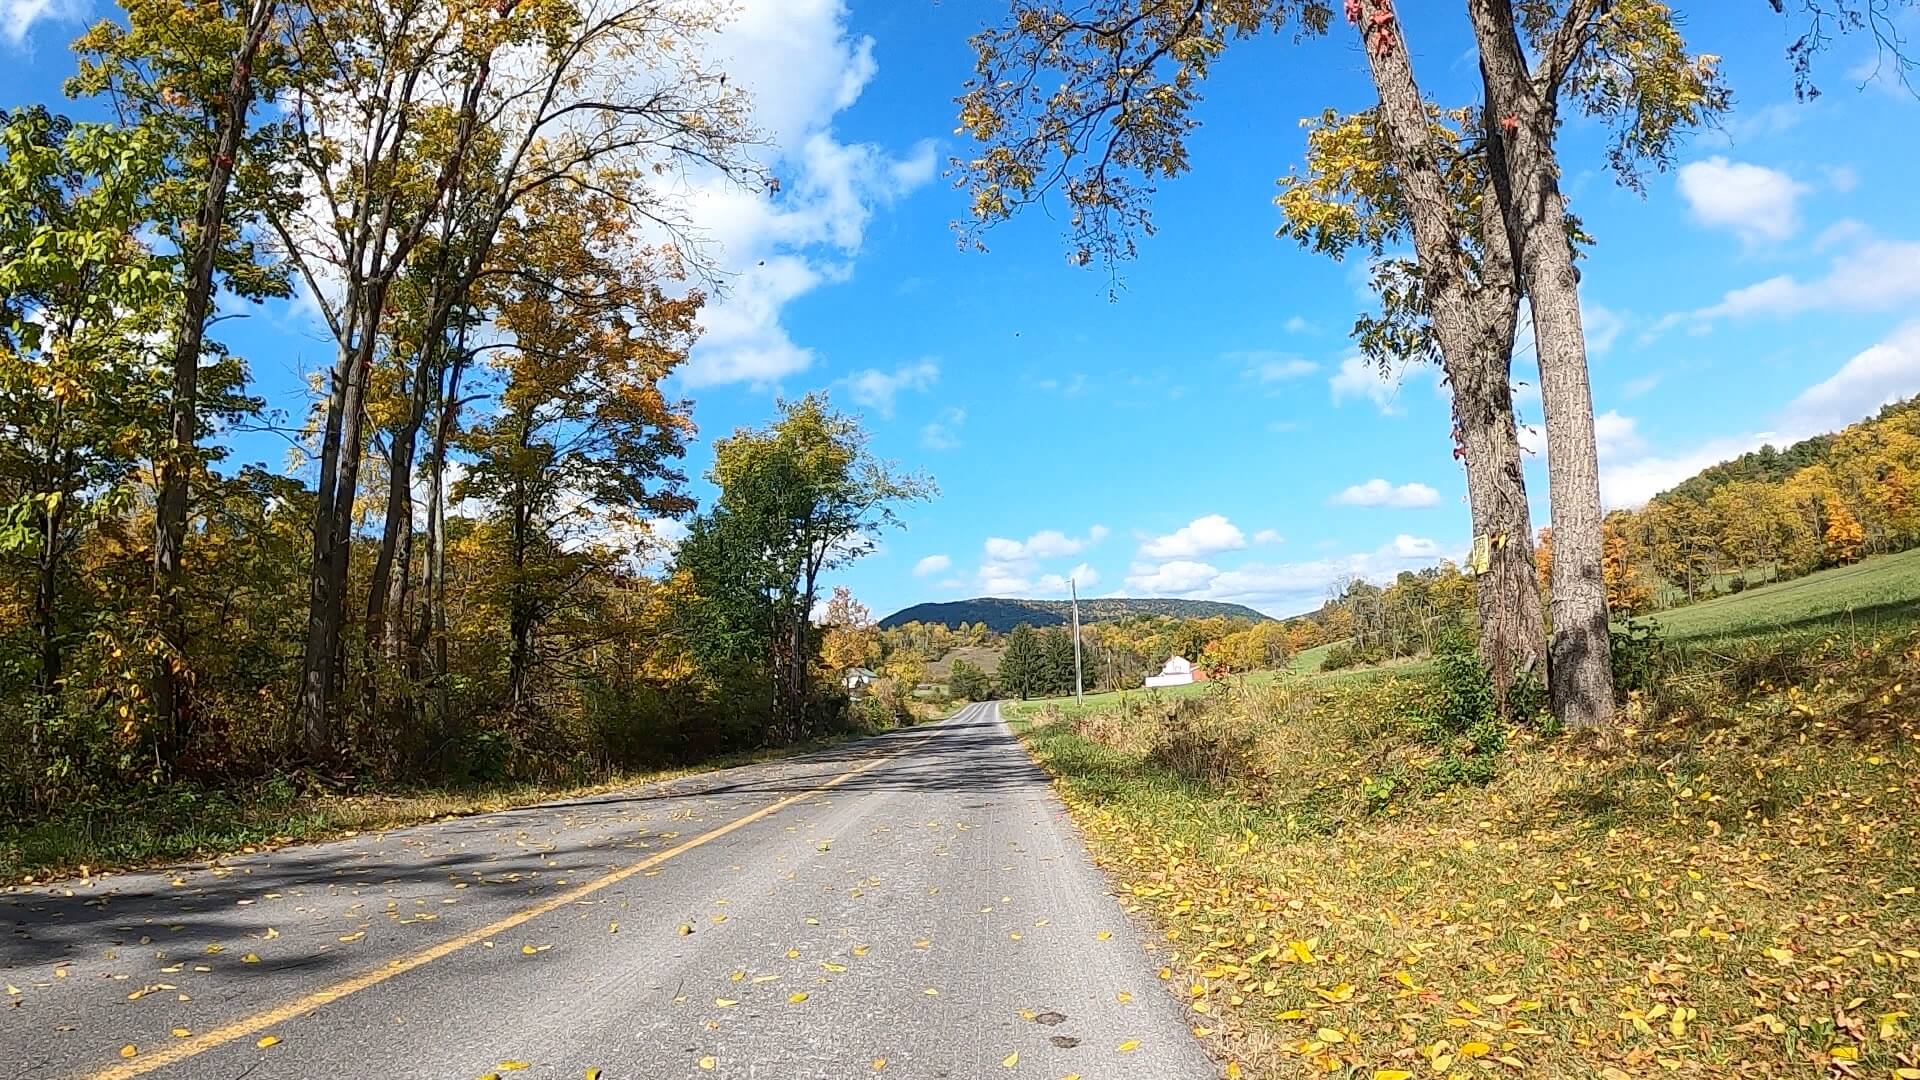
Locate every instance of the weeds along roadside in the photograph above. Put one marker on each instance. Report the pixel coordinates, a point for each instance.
(1352, 879)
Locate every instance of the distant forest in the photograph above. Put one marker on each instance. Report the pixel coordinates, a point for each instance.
(1002, 614)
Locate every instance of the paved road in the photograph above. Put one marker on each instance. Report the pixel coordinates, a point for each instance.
(918, 898)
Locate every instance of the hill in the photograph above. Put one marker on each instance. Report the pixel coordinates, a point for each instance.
(1002, 614)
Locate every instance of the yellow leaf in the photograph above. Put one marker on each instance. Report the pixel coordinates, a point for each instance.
(879, 1063)
(593, 1072)
(1123, 997)
(129, 1050)
(831, 966)
(1010, 1060)
(346, 939)
(862, 950)
(931, 992)
(250, 958)
(1129, 1046)
(181, 1033)
(797, 997)
(1475, 1050)
(708, 1063)
(1783, 957)
(684, 929)
(1103, 935)
(1330, 1035)
(1342, 992)
(529, 950)
(1392, 1074)
(724, 1003)
(1499, 999)
(267, 1040)
(514, 1066)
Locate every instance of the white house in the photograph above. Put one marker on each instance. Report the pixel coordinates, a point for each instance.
(1179, 671)
(857, 679)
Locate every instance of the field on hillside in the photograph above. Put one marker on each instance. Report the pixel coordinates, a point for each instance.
(1859, 599)
(1722, 887)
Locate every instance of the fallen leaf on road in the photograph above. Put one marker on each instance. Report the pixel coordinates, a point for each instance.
(181, 1033)
(250, 958)
(724, 1003)
(879, 1063)
(514, 1066)
(797, 997)
(1129, 1046)
(267, 1040)
(1010, 1060)
(345, 938)
(593, 1072)
(129, 1050)
(833, 967)
(1103, 935)
(708, 1063)
(529, 950)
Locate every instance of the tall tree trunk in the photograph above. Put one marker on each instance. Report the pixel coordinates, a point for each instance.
(1580, 671)
(177, 465)
(340, 452)
(1473, 312)
(46, 603)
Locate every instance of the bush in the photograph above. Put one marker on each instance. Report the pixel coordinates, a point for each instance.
(1640, 657)
(1461, 717)
(1205, 742)
(1339, 657)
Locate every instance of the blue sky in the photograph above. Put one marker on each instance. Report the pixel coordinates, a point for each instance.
(1207, 433)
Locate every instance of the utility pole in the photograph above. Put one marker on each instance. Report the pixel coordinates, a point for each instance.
(1074, 586)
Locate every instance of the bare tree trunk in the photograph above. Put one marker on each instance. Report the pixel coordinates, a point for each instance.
(176, 467)
(1580, 672)
(46, 603)
(1473, 310)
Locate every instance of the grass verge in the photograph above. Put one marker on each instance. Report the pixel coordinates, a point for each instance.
(1725, 886)
(193, 822)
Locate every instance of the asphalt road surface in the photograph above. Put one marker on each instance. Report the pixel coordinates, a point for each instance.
(915, 905)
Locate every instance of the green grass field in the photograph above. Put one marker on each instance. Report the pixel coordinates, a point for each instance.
(1868, 596)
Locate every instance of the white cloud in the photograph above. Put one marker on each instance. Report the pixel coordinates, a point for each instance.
(1617, 435)
(1201, 536)
(877, 389)
(1359, 377)
(1631, 483)
(1070, 386)
(944, 433)
(1378, 492)
(1754, 202)
(1602, 325)
(1177, 577)
(1643, 385)
(1281, 588)
(18, 16)
(1012, 567)
(1875, 276)
(1268, 365)
(932, 564)
(1841, 178)
(802, 67)
(1880, 375)
(1269, 536)
(1299, 325)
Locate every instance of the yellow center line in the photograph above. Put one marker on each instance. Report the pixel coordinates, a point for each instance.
(180, 1051)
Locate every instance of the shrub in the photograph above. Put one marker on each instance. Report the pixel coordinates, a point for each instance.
(1461, 717)
(1640, 657)
(1339, 657)
(1207, 744)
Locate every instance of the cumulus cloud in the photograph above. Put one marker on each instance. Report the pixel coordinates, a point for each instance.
(1013, 567)
(1880, 375)
(1359, 377)
(1617, 435)
(18, 16)
(878, 389)
(1268, 536)
(933, 564)
(1874, 275)
(1280, 588)
(1378, 492)
(802, 67)
(1754, 202)
(1201, 536)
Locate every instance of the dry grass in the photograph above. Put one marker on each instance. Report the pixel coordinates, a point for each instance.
(1727, 890)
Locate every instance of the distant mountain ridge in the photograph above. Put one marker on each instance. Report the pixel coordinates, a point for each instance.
(1002, 614)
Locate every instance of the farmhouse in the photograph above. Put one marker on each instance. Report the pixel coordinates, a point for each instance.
(1179, 671)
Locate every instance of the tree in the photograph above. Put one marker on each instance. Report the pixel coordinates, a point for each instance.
(1022, 665)
(191, 72)
(1625, 62)
(1844, 536)
(798, 497)
(969, 682)
(585, 445)
(849, 641)
(82, 300)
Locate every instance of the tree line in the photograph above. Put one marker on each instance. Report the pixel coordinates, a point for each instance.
(470, 196)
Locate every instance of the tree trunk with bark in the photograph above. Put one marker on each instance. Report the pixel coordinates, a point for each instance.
(1580, 668)
(1473, 310)
(177, 465)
